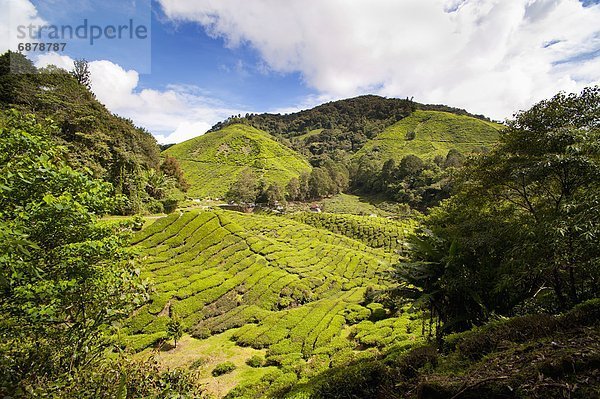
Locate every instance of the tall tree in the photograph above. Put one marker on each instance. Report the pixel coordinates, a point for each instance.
(81, 72)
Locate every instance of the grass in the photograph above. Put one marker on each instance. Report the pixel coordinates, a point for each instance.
(350, 204)
(435, 133)
(246, 284)
(309, 134)
(208, 353)
(213, 161)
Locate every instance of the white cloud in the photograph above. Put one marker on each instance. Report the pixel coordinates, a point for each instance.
(489, 56)
(15, 13)
(174, 114)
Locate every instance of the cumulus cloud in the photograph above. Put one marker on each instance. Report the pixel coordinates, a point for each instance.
(174, 114)
(489, 56)
(15, 13)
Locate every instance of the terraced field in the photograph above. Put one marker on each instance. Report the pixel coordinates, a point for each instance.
(278, 284)
(376, 232)
(212, 162)
(430, 133)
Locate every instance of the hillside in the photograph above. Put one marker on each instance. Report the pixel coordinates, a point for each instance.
(267, 283)
(111, 147)
(212, 162)
(430, 133)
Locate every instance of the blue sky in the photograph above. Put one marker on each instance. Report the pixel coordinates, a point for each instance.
(207, 59)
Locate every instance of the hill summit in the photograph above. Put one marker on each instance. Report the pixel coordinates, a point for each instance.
(212, 162)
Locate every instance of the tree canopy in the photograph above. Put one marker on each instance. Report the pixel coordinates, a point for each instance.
(522, 231)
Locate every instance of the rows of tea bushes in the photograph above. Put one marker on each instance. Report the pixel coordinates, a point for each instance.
(215, 274)
(285, 286)
(376, 232)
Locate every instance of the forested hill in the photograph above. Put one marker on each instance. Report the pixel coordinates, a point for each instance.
(113, 148)
(368, 114)
(339, 128)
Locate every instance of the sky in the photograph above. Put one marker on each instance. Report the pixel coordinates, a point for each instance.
(202, 61)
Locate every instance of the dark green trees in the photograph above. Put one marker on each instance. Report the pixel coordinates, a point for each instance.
(245, 190)
(110, 146)
(522, 232)
(64, 278)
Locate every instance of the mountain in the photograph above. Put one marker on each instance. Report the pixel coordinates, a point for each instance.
(341, 127)
(212, 162)
(111, 147)
(430, 133)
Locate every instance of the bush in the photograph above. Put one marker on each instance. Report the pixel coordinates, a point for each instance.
(170, 205)
(223, 368)
(356, 313)
(155, 206)
(255, 361)
(476, 343)
(197, 363)
(584, 314)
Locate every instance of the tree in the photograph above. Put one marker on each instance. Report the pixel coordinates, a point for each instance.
(304, 189)
(275, 195)
(174, 328)
(81, 72)
(522, 229)
(65, 279)
(320, 183)
(293, 189)
(245, 190)
(454, 159)
(158, 183)
(171, 167)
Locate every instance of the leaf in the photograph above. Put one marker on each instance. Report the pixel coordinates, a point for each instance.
(122, 391)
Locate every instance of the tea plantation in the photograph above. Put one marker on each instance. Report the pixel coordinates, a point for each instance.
(213, 161)
(374, 231)
(430, 133)
(281, 285)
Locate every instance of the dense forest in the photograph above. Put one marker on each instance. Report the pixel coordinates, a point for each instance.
(110, 147)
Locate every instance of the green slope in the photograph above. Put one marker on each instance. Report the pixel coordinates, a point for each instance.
(430, 133)
(272, 283)
(212, 162)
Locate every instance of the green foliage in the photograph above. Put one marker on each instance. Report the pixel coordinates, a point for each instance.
(524, 357)
(433, 133)
(521, 232)
(245, 190)
(174, 328)
(170, 167)
(170, 205)
(223, 368)
(65, 278)
(283, 285)
(81, 72)
(376, 232)
(255, 361)
(120, 378)
(112, 148)
(213, 162)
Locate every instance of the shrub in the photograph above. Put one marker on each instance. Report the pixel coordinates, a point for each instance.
(476, 343)
(356, 313)
(586, 313)
(198, 363)
(223, 368)
(377, 311)
(170, 205)
(255, 361)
